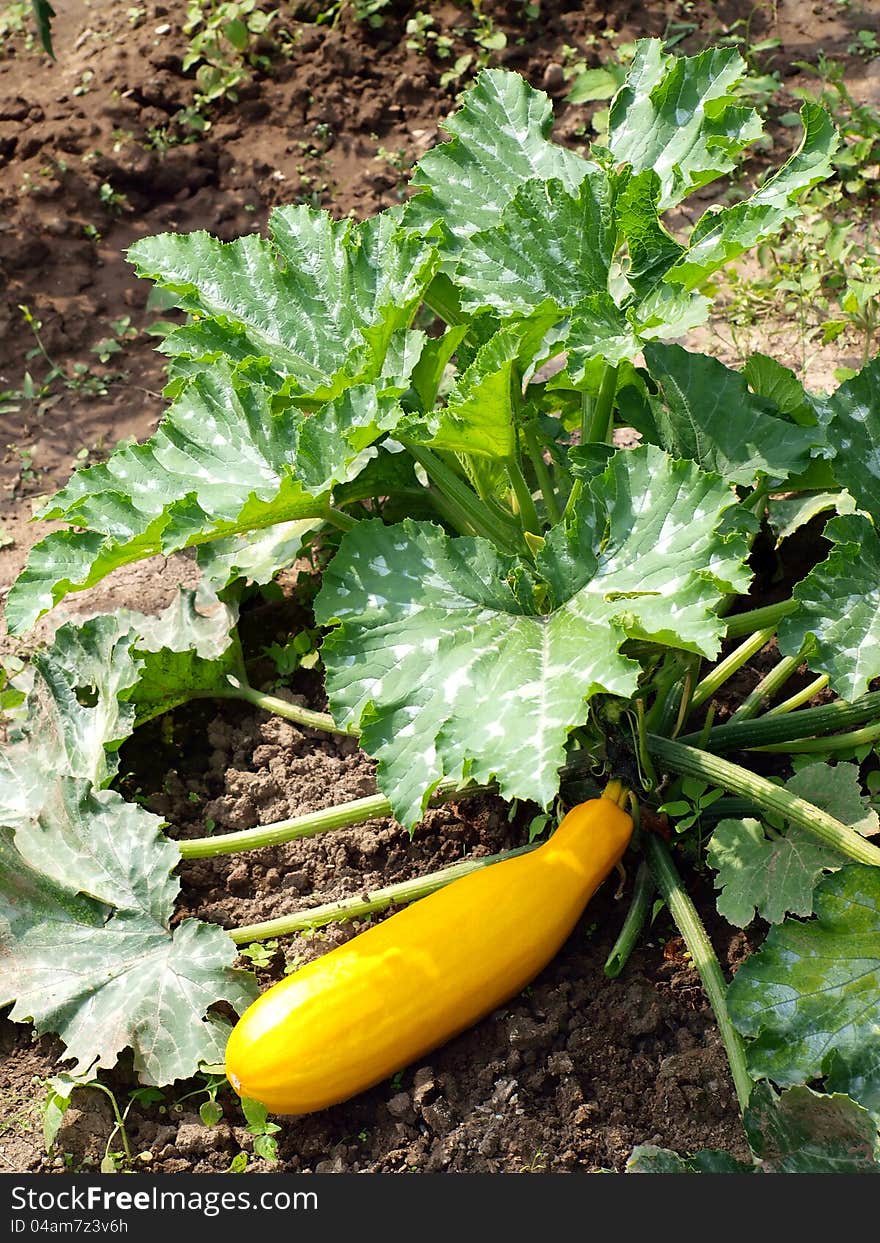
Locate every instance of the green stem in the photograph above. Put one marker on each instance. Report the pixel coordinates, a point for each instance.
(600, 425)
(726, 668)
(831, 742)
(758, 619)
(691, 762)
(704, 959)
(280, 707)
(378, 900)
(760, 697)
(639, 907)
(524, 499)
(802, 696)
(341, 816)
(542, 473)
(338, 518)
(810, 722)
(464, 499)
(120, 1120)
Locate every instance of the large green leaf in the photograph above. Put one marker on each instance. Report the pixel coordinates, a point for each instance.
(86, 891)
(773, 872)
(722, 235)
(678, 116)
(321, 300)
(839, 606)
(222, 462)
(500, 139)
(855, 431)
(810, 997)
(549, 246)
(457, 661)
(797, 1132)
(89, 953)
(708, 414)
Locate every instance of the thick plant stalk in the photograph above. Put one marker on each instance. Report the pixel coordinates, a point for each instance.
(832, 742)
(768, 686)
(758, 619)
(525, 502)
(341, 816)
(704, 959)
(290, 712)
(801, 697)
(720, 772)
(368, 904)
(740, 656)
(776, 727)
(639, 908)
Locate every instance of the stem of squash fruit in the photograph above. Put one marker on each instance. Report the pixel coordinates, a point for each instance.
(726, 668)
(368, 904)
(639, 907)
(773, 798)
(704, 959)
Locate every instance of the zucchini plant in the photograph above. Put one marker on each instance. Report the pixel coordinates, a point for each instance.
(510, 598)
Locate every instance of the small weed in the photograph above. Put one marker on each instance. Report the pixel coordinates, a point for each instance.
(260, 953)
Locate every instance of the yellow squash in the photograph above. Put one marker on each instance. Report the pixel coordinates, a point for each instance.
(353, 1017)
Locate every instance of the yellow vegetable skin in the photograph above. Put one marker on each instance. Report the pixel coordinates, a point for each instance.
(346, 1021)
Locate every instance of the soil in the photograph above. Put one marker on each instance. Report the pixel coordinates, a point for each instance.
(577, 1069)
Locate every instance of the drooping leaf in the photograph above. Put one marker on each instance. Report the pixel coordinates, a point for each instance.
(43, 14)
(321, 300)
(796, 1132)
(708, 415)
(806, 1132)
(256, 558)
(722, 235)
(221, 463)
(810, 997)
(500, 139)
(648, 1159)
(453, 666)
(678, 116)
(789, 513)
(105, 972)
(768, 378)
(839, 606)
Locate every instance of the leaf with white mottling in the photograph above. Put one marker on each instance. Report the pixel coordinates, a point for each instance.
(855, 432)
(447, 662)
(500, 140)
(679, 116)
(839, 607)
(321, 300)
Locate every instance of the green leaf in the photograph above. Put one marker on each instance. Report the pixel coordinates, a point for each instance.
(596, 84)
(447, 662)
(709, 415)
(723, 234)
(839, 606)
(806, 1132)
(43, 14)
(256, 558)
(500, 139)
(320, 301)
(772, 875)
(648, 1159)
(652, 250)
(855, 431)
(549, 246)
(810, 997)
(768, 378)
(92, 957)
(221, 463)
(679, 116)
(788, 514)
